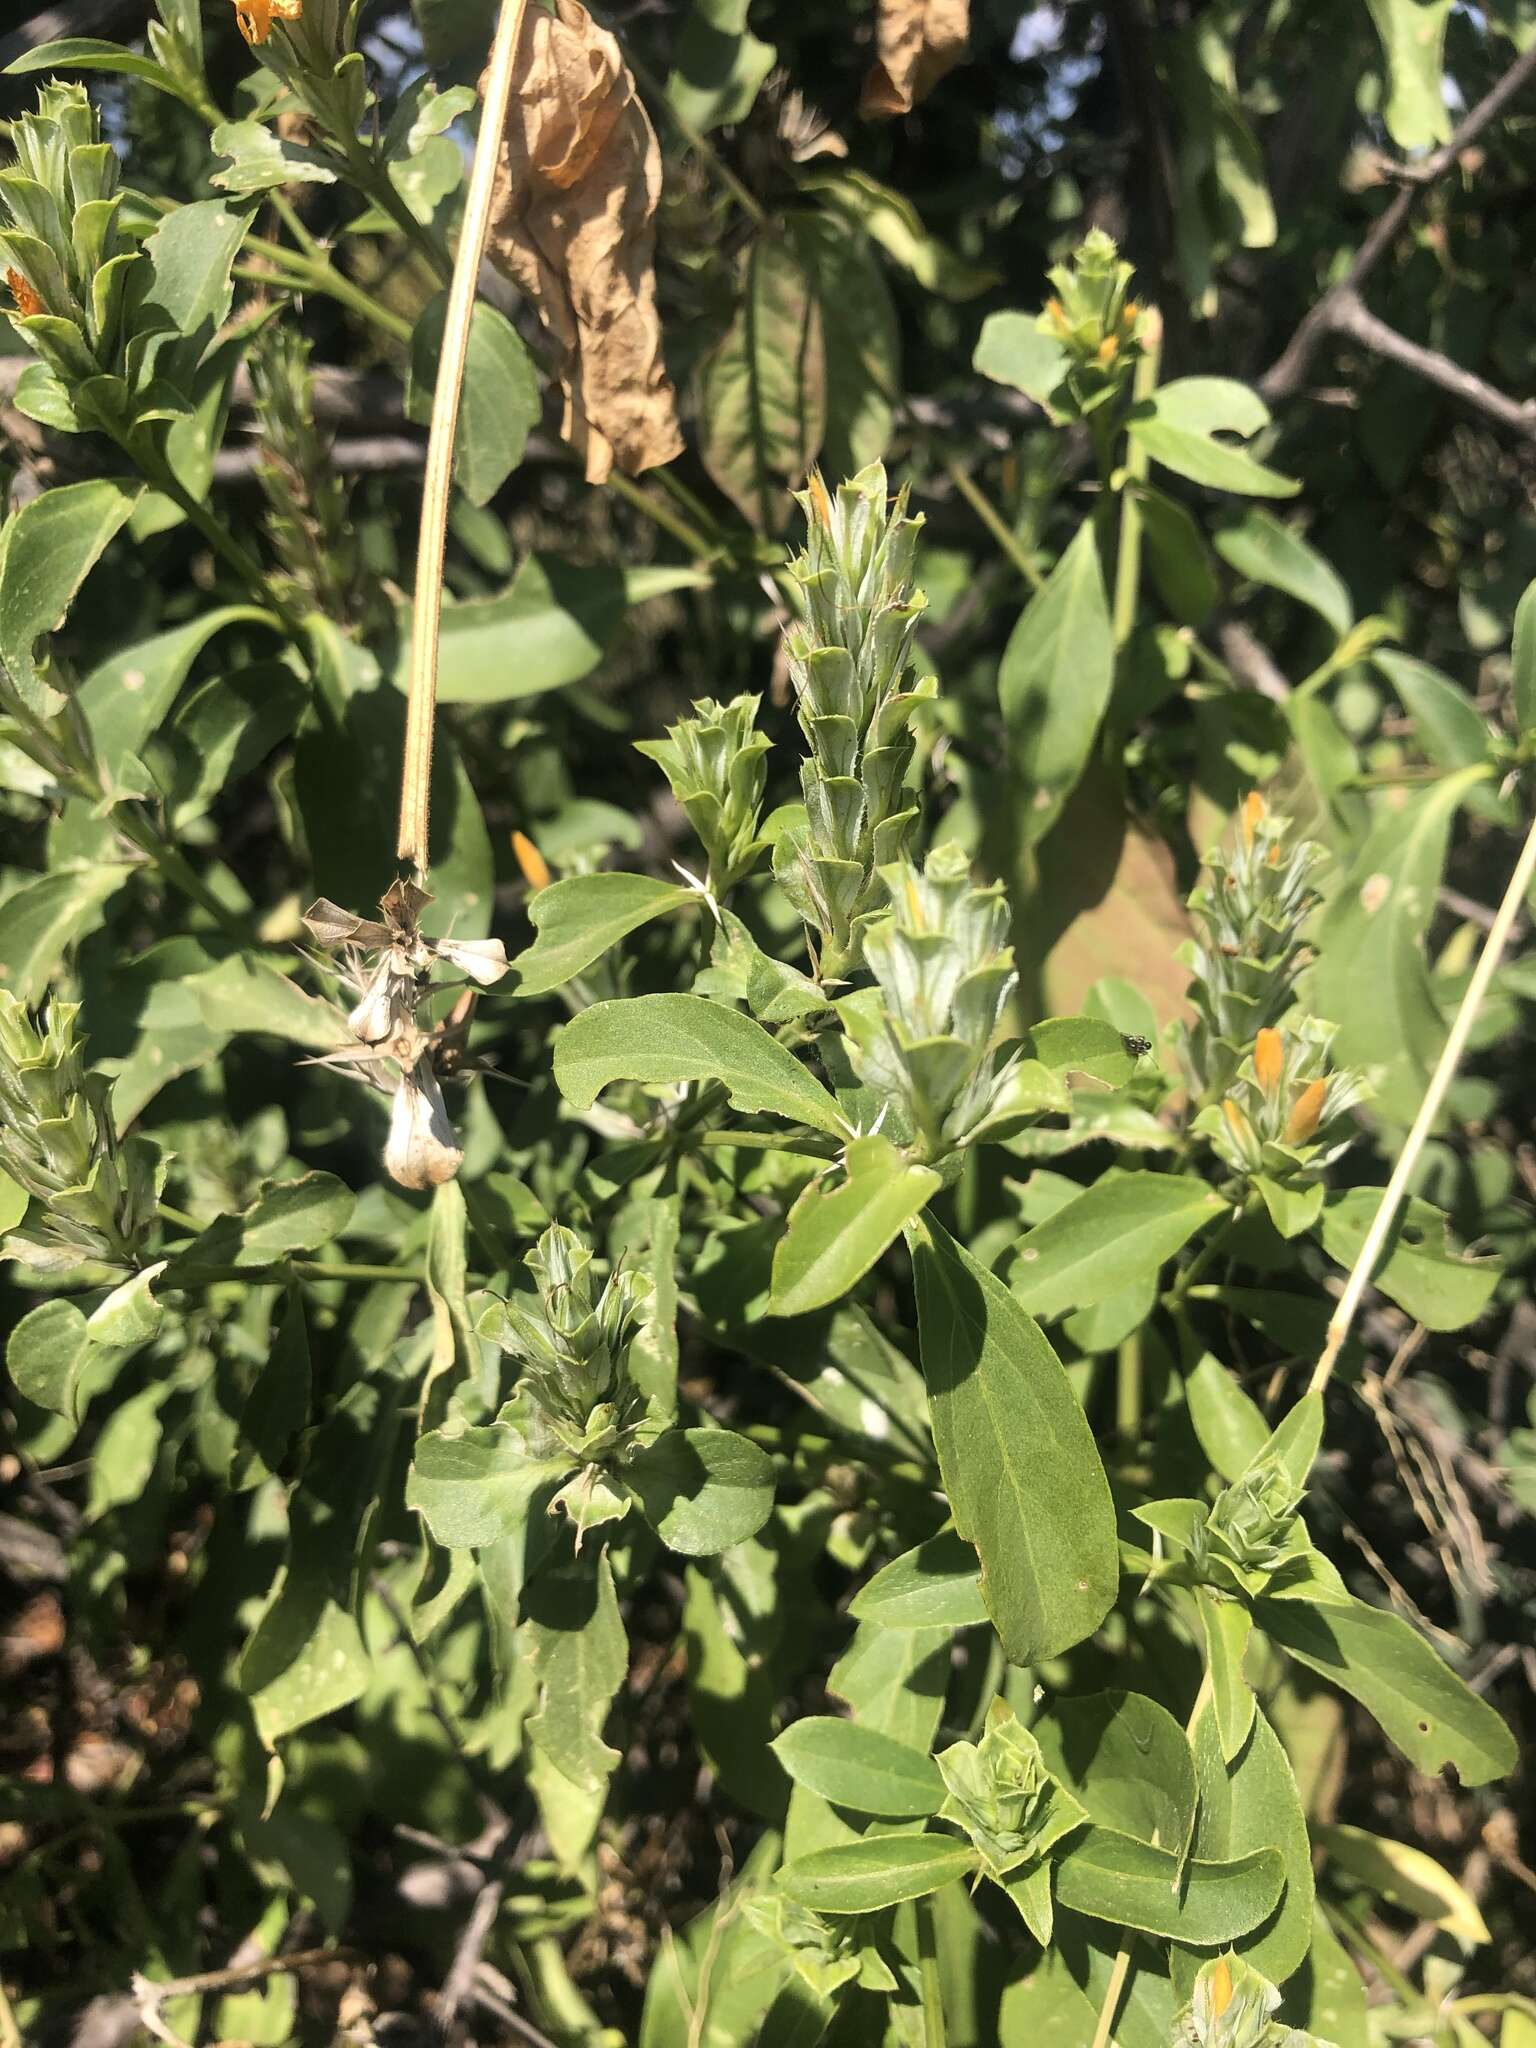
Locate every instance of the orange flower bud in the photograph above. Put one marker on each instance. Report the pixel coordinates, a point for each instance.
(1307, 1113)
(1237, 1122)
(254, 18)
(27, 301)
(1109, 348)
(1254, 809)
(533, 864)
(1269, 1059)
(1221, 1986)
(821, 504)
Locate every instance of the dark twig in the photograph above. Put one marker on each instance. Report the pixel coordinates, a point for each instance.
(1284, 377)
(1350, 315)
(459, 1984)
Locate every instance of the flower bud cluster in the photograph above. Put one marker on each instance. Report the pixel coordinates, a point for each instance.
(1284, 1114)
(944, 971)
(92, 1195)
(1251, 1529)
(309, 521)
(826, 1954)
(1093, 317)
(1000, 1793)
(717, 766)
(66, 256)
(574, 1348)
(1233, 2006)
(1249, 949)
(849, 657)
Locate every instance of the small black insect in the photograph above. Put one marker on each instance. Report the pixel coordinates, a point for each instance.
(1135, 1044)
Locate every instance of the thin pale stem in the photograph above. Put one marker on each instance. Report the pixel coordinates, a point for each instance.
(992, 520)
(416, 769)
(1103, 2033)
(1429, 1109)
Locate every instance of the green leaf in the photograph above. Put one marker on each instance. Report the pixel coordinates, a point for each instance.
(1412, 36)
(574, 1639)
(277, 1406)
(1012, 350)
(305, 1657)
(936, 1585)
(126, 1452)
(1251, 1802)
(763, 388)
(703, 1489)
(1448, 726)
(13, 1202)
(1228, 1422)
(90, 53)
(127, 697)
(1370, 978)
(879, 1871)
(1017, 1457)
(663, 1041)
(45, 1354)
(1228, 1626)
(1055, 680)
(1381, 1661)
(1406, 1878)
(1081, 1045)
(861, 337)
(1177, 424)
(192, 253)
(832, 1239)
(1523, 677)
(261, 160)
(1422, 1271)
(893, 221)
(130, 1314)
(1110, 1876)
(41, 921)
(860, 1768)
(1123, 1227)
(1177, 558)
(500, 403)
(1265, 551)
(228, 725)
(1126, 1760)
(718, 65)
(550, 628)
(1292, 1210)
(579, 919)
(47, 549)
(475, 1486)
(294, 1216)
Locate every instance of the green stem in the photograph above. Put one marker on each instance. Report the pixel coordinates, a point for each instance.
(1209, 1250)
(770, 1141)
(934, 2035)
(992, 520)
(1128, 563)
(308, 1269)
(1128, 1391)
(135, 823)
(663, 516)
(373, 181)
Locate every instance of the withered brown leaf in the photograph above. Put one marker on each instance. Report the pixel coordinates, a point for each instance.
(577, 187)
(917, 41)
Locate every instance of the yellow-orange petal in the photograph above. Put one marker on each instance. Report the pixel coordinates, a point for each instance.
(533, 864)
(821, 504)
(28, 303)
(1221, 1986)
(1254, 809)
(1237, 1122)
(1307, 1112)
(1269, 1059)
(254, 18)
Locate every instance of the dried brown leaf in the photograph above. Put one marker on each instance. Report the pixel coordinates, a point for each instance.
(917, 42)
(573, 225)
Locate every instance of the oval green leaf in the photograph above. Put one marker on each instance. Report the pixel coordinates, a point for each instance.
(860, 1768)
(881, 1870)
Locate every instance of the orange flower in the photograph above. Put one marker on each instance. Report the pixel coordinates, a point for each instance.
(533, 864)
(1254, 809)
(821, 504)
(254, 18)
(1269, 1059)
(27, 301)
(1307, 1113)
